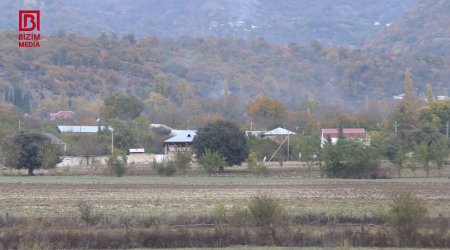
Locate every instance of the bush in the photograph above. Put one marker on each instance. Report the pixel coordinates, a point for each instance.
(211, 160)
(118, 166)
(86, 211)
(406, 213)
(265, 211)
(255, 165)
(165, 169)
(183, 161)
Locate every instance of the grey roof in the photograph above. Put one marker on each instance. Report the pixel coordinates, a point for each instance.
(54, 140)
(80, 129)
(279, 131)
(184, 136)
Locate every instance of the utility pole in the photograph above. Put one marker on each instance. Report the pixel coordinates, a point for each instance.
(395, 128)
(447, 129)
(288, 147)
(112, 143)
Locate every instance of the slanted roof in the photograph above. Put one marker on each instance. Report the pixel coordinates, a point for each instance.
(330, 132)
(346, 132)
(54, 139)
(186, 136)
(354, 132)
(80, 129)
(181, 131)
(279, 131)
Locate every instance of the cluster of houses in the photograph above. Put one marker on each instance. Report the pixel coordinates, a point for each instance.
(181, 140)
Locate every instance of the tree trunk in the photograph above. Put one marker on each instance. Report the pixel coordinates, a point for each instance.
(221, 169)
(30, 172)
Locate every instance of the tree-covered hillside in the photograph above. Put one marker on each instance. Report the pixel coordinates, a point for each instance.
(205, 76)
(343, 22)
(424, 29)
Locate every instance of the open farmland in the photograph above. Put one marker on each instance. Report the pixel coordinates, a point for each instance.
(50, 196)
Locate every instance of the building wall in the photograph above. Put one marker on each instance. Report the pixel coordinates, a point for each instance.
(72, 161)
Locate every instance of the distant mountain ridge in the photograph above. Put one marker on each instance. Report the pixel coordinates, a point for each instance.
(334, 22)
(424, 29)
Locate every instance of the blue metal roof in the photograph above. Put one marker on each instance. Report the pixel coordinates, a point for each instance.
(183, 136)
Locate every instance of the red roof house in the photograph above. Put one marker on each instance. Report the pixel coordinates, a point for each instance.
(62, 115)
(333, 135)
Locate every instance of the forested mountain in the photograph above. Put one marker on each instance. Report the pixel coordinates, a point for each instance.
(206, 75)
(339, 22)
(424, 29)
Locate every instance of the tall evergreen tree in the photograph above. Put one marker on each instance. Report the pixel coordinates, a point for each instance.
(430, 96)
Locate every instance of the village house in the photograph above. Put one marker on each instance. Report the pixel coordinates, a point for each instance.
(62, 115)
(179, 143)
(332, 134)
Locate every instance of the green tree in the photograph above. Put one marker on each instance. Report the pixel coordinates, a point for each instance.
(399, 161)
(211, 160)
(226, 138)
(422, 154)
(310, 150)
(392, 150)
(263, 147)
(435, 114)
(183, 161)
(122, 107)
(49, 156)
(404, 115)
(349, 159)
(430, 96)
(23, 151)
(439, 150)
(124, 134)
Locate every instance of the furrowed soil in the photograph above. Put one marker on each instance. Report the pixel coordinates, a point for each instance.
(54, 196)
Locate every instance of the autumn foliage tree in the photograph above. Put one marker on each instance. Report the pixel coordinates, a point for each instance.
(270, 112)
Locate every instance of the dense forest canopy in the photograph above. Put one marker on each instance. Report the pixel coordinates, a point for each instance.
(207, 75)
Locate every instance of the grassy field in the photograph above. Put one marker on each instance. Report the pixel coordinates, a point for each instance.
(197, 195)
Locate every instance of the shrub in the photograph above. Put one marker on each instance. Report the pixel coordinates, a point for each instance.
(211, 160)
(406, 213)
(118, 166)
(183, 161)
(86, 211)
(165, 168)
(254, 165)
(265, 211)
